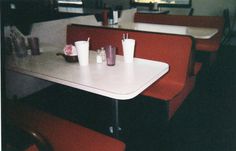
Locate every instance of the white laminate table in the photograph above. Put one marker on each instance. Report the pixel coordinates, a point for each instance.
(120, 82)
(196, 32)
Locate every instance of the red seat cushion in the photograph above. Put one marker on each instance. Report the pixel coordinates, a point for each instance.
(32, 148)
(64, 135)
(164, 90)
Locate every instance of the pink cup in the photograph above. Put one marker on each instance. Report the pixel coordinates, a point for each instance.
(110, 55)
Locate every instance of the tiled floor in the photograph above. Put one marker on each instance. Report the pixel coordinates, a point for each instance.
(205, 122)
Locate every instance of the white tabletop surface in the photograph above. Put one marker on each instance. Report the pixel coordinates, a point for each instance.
(196, 32)
(122, 81)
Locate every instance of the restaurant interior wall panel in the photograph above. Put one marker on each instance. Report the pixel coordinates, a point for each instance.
(54, 32)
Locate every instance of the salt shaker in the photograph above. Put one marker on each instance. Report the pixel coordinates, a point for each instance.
(103, 54)
(99, 56)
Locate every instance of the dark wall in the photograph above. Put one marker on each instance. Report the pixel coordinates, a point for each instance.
(23, 13)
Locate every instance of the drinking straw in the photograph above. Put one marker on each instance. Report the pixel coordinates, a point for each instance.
(123, 37)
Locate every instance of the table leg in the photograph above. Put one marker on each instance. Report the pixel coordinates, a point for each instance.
(115, 115)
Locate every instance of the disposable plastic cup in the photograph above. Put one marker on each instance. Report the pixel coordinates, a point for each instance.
(110, 55)
(82, 48)
(34, 45)
(20, 46)
(128, 46)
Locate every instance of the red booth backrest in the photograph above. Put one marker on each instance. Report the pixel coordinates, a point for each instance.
(172, 49)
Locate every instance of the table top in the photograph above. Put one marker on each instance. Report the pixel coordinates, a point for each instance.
(78, 10)
(196, 32)
(122, 81)
(153, 11)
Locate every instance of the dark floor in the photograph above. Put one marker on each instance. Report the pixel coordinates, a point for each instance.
(207, 119)
(205, 122)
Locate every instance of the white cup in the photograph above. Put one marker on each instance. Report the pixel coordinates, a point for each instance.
(128, 50)
(82, 48)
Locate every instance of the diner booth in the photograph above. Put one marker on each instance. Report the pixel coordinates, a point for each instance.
(102, 83)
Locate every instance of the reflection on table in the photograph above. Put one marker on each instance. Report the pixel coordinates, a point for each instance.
(196, 32)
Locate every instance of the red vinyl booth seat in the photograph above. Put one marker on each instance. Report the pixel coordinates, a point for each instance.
(61, 134)
(32, 148)
(175, 50)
